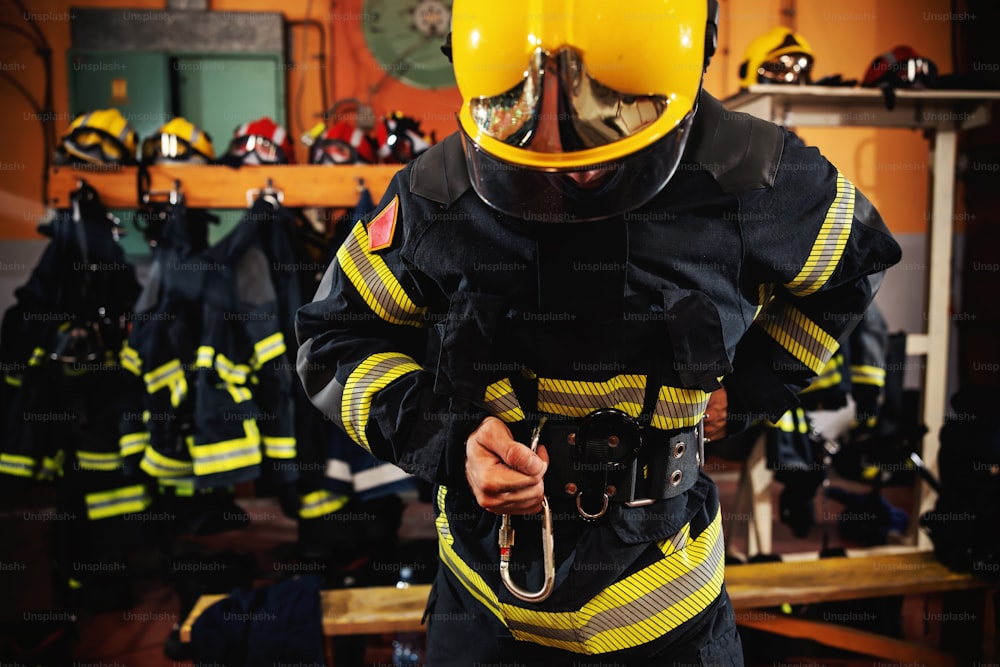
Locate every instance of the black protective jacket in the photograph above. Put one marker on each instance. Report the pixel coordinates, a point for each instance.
(744, 271)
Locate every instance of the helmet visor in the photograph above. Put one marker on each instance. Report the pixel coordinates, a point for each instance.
(97, 146)
(256, 150)
(335, 151)
(786, 68)
(595, 192)
(171, 148)
(559, 107)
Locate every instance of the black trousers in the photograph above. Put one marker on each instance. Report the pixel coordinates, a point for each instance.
(462, 633)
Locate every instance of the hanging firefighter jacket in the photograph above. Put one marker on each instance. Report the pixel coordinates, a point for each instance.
(441, 311)
(209, 347)
(64, 393)
(794, 452)
(64, 390)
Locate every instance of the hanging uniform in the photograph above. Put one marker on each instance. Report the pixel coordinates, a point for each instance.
(211, 353)
(793, 450)
(64, 392)
(409, 345)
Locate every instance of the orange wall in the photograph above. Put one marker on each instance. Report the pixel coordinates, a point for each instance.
(890, 166)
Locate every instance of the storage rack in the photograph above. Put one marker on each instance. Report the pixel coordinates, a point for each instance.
(941, 114)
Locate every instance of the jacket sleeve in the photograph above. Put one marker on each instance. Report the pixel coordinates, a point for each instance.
(818, 251)
(364, 341)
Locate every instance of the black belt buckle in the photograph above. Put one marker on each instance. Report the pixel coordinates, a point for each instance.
(671, 467)
(606, 454)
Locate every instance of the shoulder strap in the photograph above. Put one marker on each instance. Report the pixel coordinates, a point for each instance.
(742, 152)
(440, 173)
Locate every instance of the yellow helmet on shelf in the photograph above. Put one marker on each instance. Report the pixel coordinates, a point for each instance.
(553, 89)
(99, 137)
(178, 140)
(778, 56)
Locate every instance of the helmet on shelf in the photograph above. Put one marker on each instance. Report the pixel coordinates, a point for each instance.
(778, 56)
(902, 67)
(399, 139)
(340, 143)
(178, 141)
(261, 141)
(570, 116)
(99, 137)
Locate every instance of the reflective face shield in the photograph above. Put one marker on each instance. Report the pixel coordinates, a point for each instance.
(560, 107)
(256, 150)
(97, 146)
(560, 110)
(786, 68)
(169, 148)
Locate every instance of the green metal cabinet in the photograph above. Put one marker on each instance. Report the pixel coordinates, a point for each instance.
(216, 69)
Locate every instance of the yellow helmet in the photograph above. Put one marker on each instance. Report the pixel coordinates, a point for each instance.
(778, 56)
(178, 140)
(555, 92)
(99, 137)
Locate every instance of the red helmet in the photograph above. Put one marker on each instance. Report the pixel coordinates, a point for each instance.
(901, 67)
(261, 141)
(399, 139)
(341, 143)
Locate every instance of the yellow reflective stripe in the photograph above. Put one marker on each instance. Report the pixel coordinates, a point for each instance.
(265, 350)
(230, 371)
(16, 465)
(678, 408)
(130, 359)
(802, 337)
(156, 464)
(824, 381)
(37, 357)
(181, 487)
(320, 503)
(133, 443)
(12, 380)
(632, 611)
(573, 398)
(830, 242)
(636, 609)
(501, 402)
(791, 422)
(471, 580)
(170, 375)
(375, 282)
(204, 356)
(370, 377)
(238, 394)
(102, 461)
(872, 375)
(228, 455)
(52, 465)
(104, 504)
(279, 447)
(830, 377)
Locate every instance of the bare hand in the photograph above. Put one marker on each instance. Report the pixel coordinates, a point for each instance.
(505, 476)
(716, 414)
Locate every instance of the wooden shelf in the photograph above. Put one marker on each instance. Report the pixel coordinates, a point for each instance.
(217, 186)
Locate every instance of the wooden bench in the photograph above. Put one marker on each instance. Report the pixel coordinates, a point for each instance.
(753, 589)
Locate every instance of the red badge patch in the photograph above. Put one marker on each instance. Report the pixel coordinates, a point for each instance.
(383, 227)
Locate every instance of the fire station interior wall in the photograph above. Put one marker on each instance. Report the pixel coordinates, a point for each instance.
(890, 166)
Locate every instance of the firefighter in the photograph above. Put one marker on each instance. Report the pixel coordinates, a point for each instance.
(538, 312)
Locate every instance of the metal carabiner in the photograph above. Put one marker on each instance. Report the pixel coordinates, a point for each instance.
(506, 540)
